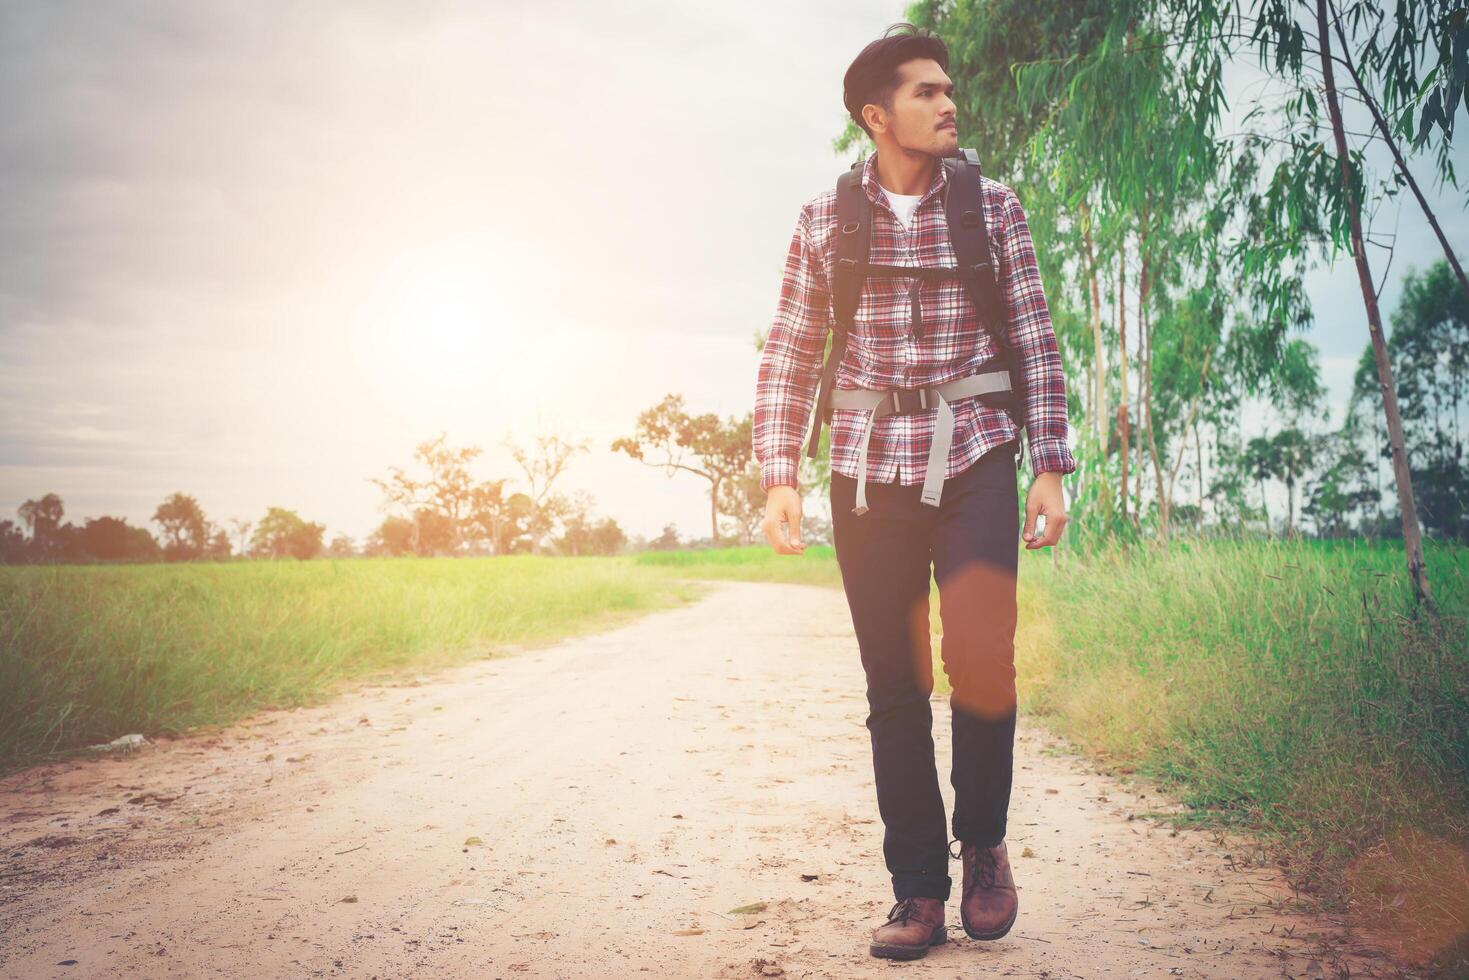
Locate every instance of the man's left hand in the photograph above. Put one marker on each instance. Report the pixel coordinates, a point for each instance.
(1045, 500)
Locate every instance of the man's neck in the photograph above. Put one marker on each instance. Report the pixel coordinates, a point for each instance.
(903, 171)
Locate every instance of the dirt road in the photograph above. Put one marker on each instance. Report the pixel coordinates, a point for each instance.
(597, 809)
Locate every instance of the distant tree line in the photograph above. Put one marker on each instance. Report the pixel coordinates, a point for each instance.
(436, 507)
(184, 534)
(445, 510)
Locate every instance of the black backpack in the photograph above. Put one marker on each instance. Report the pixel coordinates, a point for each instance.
(964, 212)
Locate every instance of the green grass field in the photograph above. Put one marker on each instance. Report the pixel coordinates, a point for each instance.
(1277, 687)
(88, 653)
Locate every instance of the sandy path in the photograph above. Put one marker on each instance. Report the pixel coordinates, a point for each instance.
(630, 789)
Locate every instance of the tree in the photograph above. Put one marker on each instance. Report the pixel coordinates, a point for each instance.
(582, 536)
(241, 528)
(1261, 462)
(283, 534)
(673, 439)
(43, 519)
(1338, 494)
(1080, 107)
(218, 546)
(185, 528)
(1397, 64)
(1295, 391)
(1080, 97)
(542, 465)
(665, 541)
(1295, 453)
(12, 543)
(447, 490)
(394, 536)
(1429, 351)
(342, 546)
(451, 513)
(436, 533)
(113, 539)
(742, 499)
(1351, 197)
(504, 521)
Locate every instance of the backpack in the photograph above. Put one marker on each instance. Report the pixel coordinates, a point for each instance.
(964, 213)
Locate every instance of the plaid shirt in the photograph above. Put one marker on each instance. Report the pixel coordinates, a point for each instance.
(882, 351)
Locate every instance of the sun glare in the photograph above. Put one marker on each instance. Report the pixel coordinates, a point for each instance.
(442, 323)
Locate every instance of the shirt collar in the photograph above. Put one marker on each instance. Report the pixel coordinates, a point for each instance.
(875, 190)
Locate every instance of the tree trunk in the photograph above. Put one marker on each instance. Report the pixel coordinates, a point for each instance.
(1099, 374)
(1199, 467)
(1412, 533)
(1122, 420)
(714, 511)
(1137, 433)
(1145, 339)
(1188, 423)
(1290, 504)
(1397, 156)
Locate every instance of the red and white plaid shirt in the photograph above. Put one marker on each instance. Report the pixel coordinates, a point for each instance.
(883, 353)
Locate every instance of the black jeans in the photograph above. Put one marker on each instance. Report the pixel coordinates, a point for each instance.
(972, 540)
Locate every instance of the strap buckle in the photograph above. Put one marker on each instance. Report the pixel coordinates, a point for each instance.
(906, 401)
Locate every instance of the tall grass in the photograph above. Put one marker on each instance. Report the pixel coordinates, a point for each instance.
(88, 653)
(1263, 674)
(1283, 687)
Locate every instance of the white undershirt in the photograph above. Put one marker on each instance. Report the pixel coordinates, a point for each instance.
(903, 206)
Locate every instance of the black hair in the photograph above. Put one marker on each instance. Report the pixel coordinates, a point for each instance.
(873, 75)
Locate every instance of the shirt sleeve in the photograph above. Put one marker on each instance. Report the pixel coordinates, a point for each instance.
(1034, 342)
(790, 362)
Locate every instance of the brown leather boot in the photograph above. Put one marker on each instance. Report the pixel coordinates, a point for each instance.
(913, 925)
(989, 902)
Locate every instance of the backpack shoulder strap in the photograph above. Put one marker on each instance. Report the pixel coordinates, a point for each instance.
(964, 211)
(853, 239)
(969, 235)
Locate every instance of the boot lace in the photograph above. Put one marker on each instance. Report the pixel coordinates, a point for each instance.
(902, 911)
(986, 865)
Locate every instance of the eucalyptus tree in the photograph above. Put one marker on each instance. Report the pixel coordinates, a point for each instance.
(1429, 350)
(1313, 196)
(1316, 190)
(1085, 111)
(1261, 460)
(1443, 27)
(1340, 489)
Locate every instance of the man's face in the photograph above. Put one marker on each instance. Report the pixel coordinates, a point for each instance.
(922, 116)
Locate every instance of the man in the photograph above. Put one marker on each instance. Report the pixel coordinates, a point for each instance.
(906, 334)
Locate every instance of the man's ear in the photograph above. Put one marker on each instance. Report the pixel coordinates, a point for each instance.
(876, 118)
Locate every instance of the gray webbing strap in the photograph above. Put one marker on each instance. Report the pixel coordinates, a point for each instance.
(879, 403)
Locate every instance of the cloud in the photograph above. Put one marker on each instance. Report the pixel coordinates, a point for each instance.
(200, 196)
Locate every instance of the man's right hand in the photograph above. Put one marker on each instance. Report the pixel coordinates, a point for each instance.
(782, 515)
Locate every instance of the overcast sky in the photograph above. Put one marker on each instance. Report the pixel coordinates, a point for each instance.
(257, 252)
